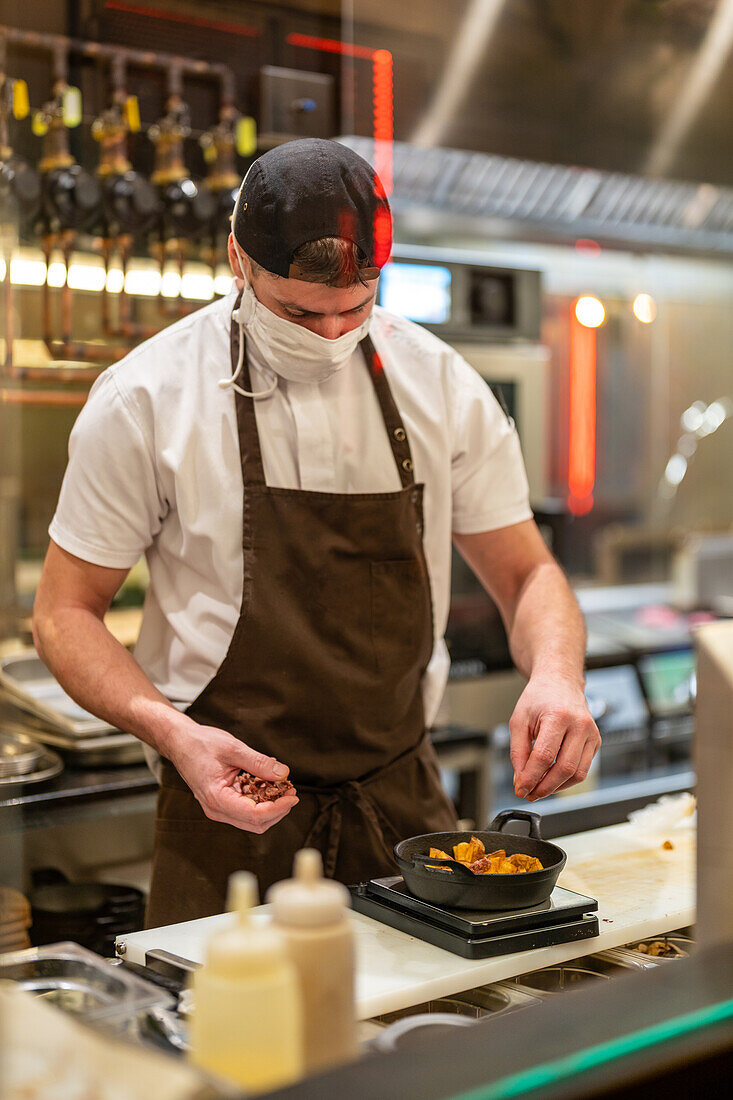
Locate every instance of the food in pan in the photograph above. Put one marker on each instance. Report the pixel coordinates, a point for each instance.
(472, 854)
(262, 790)
(499, 863)
(660, 949)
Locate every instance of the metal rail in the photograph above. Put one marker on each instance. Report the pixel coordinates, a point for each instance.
(178, 66)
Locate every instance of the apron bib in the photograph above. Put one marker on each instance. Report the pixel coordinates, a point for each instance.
(324, 672)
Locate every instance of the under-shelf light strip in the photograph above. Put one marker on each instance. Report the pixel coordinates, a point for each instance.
(144, 280)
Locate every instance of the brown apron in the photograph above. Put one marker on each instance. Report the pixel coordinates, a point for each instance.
(323, 672)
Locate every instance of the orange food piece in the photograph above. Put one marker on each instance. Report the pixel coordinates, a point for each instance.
(523, 862)
(435, 853)
(506, 867)
(475, 849)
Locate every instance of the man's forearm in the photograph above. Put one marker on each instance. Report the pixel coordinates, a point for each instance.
(104, 678)
(553, 737)
(547, 632)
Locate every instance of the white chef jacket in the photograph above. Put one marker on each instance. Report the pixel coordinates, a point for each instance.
(154, 468)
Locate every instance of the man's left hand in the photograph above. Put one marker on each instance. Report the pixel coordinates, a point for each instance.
(553, 737)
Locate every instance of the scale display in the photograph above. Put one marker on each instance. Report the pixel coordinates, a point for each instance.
(669, 681)
(419, 292)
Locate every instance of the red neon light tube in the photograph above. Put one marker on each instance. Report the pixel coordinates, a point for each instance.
(383, 117)
(582, 417)
(329, 45)
(174, 17)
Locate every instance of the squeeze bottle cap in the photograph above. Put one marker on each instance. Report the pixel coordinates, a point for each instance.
(308, 865)
(246, 943)
(242, 892)
(308, 900)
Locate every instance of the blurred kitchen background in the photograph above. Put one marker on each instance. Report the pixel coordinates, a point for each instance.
(561, 176)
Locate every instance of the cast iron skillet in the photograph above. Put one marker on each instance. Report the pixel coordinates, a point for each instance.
(453, 885)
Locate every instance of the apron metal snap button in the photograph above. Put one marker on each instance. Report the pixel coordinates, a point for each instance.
(407, 464)
(400, 435)
(414, 497)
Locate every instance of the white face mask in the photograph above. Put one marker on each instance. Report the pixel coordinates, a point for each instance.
(289, 349)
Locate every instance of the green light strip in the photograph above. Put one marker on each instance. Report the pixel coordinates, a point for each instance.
(518, 1084)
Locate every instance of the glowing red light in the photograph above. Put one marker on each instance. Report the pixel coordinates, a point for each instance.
(383, 117)
(582, 417)
(330, 45)
(586, 244)
(173, 17)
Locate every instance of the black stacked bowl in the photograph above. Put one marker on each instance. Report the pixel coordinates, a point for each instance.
(92, 914)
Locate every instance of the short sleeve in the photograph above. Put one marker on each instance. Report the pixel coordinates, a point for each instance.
(109, 508)
(489, 482)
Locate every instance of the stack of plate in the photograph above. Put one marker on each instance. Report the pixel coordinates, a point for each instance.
(23, 760)
(15, 920)
(17, 757)
(33, 702)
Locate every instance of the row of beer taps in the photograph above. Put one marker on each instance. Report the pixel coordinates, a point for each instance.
(175, 216)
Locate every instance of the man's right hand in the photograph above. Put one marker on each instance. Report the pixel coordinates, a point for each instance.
(209, 760)
(105, 679)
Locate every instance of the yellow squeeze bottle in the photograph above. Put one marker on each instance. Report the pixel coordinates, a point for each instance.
(247, 1019)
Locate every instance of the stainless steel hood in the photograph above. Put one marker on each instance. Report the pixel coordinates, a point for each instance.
(555, 202)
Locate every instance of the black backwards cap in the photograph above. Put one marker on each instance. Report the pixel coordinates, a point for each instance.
(305, 190)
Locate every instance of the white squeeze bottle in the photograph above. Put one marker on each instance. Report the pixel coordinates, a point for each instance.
(311, 912)
(247, 1018)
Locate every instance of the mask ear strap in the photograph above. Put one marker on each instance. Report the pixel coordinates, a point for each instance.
(231, 383)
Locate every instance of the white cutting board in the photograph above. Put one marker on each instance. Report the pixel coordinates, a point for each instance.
(642, 890)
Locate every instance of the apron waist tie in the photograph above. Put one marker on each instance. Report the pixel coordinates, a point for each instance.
(330, 816)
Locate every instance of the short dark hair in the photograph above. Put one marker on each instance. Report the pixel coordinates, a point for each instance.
(331, 260)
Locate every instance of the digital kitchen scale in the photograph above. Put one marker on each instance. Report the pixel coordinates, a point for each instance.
(564, 917)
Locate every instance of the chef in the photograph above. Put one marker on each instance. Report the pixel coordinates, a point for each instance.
(293, 462)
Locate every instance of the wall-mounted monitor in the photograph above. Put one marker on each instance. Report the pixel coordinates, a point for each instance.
(419, 292)
(462, 300)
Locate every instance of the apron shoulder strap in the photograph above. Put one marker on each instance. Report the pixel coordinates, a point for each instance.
(399, 442)
(253, 472)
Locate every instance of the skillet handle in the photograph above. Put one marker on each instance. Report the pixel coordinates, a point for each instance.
(456, 870)
(504, 816)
